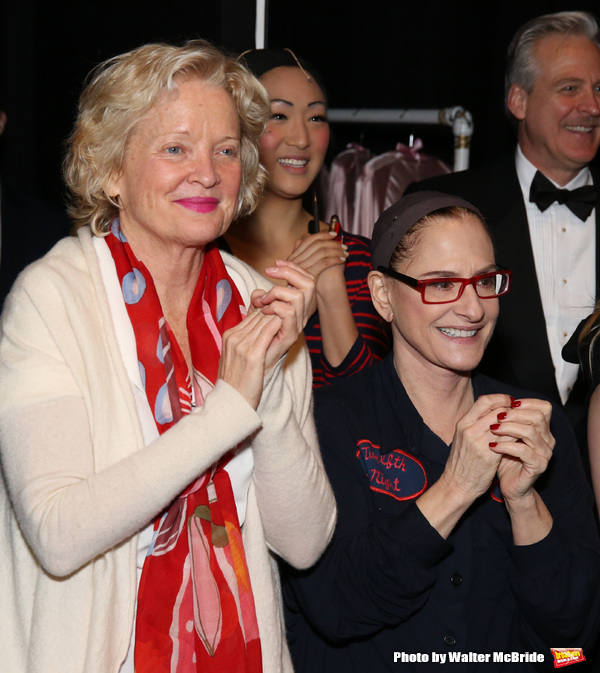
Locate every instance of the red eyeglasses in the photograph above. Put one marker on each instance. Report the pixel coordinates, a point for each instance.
(446, 290)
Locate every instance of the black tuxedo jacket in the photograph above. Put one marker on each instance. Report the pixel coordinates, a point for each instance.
(518, 353)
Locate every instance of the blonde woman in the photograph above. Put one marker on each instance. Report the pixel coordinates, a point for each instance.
(157, 444)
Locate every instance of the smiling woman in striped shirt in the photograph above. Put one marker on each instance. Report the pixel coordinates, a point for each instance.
(344, 334)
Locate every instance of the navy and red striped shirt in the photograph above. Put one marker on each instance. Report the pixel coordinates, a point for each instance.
(373, 341)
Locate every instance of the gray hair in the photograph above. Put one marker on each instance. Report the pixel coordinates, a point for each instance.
(522, 67)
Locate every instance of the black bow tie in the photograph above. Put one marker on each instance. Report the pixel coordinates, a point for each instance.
(580, 201)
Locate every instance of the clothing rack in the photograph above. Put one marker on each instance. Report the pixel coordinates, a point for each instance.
(457, 117)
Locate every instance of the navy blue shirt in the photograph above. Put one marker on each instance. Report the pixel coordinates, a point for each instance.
(390, 586)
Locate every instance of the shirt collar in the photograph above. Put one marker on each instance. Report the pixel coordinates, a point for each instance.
(408, 433)
(526, 170)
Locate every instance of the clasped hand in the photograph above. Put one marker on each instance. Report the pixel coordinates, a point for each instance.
(274, 322)
(324, 257)
(502, 437)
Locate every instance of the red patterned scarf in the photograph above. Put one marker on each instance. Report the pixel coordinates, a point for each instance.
(195, 608)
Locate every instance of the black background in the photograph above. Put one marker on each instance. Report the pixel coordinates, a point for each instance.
(388, 53)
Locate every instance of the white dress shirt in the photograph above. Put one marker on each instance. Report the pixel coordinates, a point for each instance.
(564, 250)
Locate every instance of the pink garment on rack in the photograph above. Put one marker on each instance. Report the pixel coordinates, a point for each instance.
(343, 176)
(384, 179)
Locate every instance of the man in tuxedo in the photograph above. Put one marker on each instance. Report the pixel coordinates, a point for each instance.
(549, 237)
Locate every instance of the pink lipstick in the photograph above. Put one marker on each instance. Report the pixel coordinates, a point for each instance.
(199, 204)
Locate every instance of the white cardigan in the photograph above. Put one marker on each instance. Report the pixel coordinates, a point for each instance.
(78, 483)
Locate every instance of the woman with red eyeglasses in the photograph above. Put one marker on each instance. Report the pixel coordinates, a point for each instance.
(465, 527)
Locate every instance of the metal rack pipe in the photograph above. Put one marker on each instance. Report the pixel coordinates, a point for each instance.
(459, 119)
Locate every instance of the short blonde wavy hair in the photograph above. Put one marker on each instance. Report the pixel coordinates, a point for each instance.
(117, 95)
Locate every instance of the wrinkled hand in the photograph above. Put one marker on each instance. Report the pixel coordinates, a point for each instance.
(243, 356)
(274, 322)
(524, 442)
(471, 465)
(290, 303)
(323, 257)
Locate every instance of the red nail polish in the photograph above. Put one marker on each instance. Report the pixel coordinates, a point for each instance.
(515, 403)
(495, 426)
(493, 444)
(502, 415)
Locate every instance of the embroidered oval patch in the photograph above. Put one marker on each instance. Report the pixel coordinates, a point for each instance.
(396, 473)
